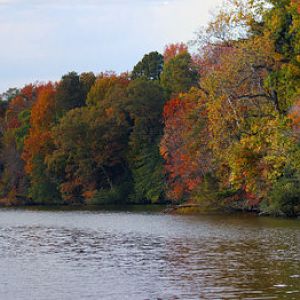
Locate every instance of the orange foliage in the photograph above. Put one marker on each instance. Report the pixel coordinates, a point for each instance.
(173, 50)
(29, 92)
(89, 194)
(185, 163)
(44, 109)
(296, 2)
(23, 101)
(42, 115)
(294, 115)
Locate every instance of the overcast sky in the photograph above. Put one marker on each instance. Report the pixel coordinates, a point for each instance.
(44, 39)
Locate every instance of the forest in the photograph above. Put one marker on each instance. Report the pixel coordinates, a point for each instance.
(215, 123)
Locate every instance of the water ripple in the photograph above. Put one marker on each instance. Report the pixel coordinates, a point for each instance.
(75, 255)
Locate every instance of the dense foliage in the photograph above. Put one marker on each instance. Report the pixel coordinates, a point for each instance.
(220, 127)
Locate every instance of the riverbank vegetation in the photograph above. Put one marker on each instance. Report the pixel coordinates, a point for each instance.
(218, 126)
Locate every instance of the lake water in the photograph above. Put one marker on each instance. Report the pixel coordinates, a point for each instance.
(74, 255)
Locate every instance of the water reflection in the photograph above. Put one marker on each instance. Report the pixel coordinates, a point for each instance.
(105, 255)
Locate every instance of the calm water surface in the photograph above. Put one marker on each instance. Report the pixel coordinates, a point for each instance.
(146, 255)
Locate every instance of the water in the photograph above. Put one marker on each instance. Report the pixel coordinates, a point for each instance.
(146, 255)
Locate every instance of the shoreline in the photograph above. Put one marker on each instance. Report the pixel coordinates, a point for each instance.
(167, 209)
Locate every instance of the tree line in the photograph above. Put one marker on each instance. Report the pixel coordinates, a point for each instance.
(219, 126)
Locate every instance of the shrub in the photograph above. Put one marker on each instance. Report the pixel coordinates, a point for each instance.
(284, 197)
(116, 195)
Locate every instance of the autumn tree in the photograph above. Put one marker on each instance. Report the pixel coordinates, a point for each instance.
(38, 144)
(14, 128)
(89, 152)
(184, 146)
(104, 85)
(173, 50)
(248, 82)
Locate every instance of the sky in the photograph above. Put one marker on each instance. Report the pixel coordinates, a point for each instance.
(44, 39)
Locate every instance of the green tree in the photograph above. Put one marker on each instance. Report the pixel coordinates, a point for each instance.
(179, 74)
(144, 104)
(149, 67)
(87, 80)
(10, 94)
(70, 93)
